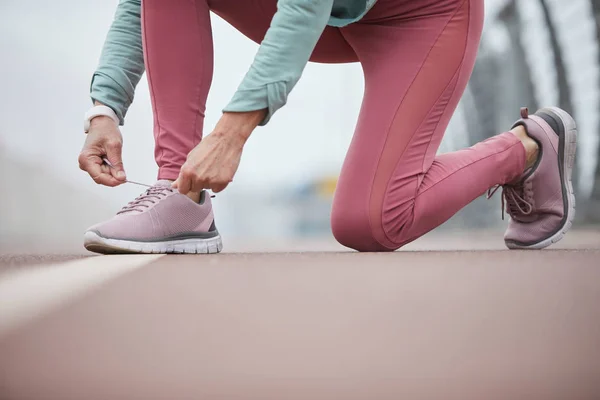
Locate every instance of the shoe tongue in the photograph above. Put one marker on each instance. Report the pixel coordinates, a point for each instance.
(163, 183)
(144, 198)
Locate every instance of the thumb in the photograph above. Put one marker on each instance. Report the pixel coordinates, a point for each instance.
(113, 153)
(175, 184)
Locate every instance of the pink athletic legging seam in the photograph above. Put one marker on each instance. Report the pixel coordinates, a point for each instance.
(387, 189)
(392, 120)
(456, 76)
(151, 87)
(443, 92)
(453, 82)
(199, 85)
(198, 91)
(509, 148)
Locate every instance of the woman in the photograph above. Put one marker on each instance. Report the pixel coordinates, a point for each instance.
(417, 57)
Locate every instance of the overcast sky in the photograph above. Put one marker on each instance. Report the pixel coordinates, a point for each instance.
(50, 51)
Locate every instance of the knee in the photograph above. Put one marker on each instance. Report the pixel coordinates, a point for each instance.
(352, 229)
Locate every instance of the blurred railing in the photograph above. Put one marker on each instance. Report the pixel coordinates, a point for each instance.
(533, 53)
(538, 53)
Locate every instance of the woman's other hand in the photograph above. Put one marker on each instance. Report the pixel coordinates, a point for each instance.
(213, 163)
(103, 140)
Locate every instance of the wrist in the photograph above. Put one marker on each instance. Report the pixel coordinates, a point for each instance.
(98, 114)
(241, 124)
(102, 120)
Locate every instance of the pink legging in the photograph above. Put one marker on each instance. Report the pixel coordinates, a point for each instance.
(417, 57)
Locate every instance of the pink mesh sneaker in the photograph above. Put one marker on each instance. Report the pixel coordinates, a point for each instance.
(159, 221)
(541, 203)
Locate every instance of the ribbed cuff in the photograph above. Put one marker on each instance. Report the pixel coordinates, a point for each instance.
(109, 91)
(271, 97)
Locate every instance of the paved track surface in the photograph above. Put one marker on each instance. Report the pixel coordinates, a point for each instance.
(484, 324)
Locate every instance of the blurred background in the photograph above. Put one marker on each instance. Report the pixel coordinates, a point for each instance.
(283, 190)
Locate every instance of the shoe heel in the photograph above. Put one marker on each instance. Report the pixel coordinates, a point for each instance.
(570, 137)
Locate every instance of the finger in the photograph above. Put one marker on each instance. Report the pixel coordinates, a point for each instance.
(85, 160)
(113, 153)
(98, 172)
(106, 179)
(175, 184)
(184, 186)
(217, 188)
(199, 185)
(184, 181)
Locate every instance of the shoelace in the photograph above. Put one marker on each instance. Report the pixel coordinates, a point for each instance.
(127, 181)
(153, 192)
(516, 199)
(144, 200)
(151, 196)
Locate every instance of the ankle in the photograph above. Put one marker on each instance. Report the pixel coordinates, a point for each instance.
(530, 145)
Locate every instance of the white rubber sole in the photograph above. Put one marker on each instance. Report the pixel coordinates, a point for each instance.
(98, 244)
(568, 162)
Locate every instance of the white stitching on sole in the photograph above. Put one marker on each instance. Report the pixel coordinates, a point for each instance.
(94, 242)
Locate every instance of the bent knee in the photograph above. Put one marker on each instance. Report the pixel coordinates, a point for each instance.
(354, 230)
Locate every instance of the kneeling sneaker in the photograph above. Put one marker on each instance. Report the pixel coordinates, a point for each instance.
(161, 220)
(541, 203)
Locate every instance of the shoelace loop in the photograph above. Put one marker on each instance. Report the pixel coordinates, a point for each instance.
(152, 192)
(517, 199)
(144, 200)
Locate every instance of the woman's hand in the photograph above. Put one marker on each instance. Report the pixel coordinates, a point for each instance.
(103, 140)
(213, 163)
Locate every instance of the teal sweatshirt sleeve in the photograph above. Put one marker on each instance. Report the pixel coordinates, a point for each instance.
(282, 56)
(277, 67)
(121, 64)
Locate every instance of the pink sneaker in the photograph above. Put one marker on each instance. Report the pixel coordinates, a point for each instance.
(159, 221)
(542, 203)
